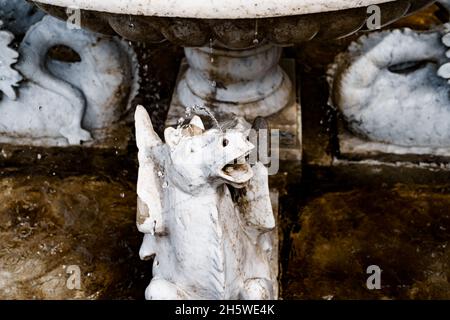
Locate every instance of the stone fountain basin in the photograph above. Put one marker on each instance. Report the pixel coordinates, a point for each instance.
(235, 24)
(215, 9)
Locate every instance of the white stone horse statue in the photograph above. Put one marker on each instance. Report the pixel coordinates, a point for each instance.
(205, 212)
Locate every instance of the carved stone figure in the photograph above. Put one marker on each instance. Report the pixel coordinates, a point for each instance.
(206, 243)
(390, 87)
(60, 103)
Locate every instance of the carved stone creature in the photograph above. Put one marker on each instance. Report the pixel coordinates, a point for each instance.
(390, 87)
(204, 244)
(60, 103)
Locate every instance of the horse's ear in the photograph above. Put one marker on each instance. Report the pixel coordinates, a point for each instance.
(195, 128)
(146, 137)
(197, 122)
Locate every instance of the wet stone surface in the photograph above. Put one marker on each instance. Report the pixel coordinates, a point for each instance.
(343, 229)
(48, 224)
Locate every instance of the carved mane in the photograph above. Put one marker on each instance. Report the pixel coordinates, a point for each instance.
(9, 78)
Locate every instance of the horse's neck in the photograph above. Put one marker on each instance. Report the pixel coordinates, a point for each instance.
(206, 203)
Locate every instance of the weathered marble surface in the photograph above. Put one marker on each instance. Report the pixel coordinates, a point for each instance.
(389, 88)
(205, 212)
(61, 103)
(214, 9)
(232, 32)
(10, 78)
(247, 83)
(319, 119)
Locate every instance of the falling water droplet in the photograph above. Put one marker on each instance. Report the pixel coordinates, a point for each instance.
(131, 24)
(211, 49)
(211, 53)
(160, 174)
(188, 112)
(256, 40)
(165, 185)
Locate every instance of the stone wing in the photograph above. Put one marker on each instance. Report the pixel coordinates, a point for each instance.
(150, 218)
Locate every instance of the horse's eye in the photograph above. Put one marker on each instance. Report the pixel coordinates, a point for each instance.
(408, 67)
(225, 142)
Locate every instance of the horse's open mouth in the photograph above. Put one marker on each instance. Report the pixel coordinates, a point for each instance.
(237, 172)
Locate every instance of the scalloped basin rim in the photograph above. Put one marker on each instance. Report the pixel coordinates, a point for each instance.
(214, 9)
